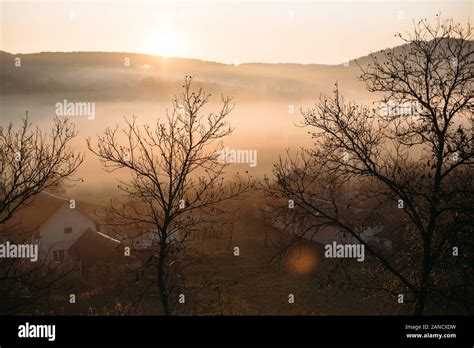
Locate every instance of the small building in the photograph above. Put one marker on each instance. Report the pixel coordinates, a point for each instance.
(60, 228)
(151, 239)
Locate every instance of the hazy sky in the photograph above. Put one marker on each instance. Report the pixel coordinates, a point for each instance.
(225, 31)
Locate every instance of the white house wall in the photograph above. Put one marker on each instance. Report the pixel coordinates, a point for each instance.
(52, 236)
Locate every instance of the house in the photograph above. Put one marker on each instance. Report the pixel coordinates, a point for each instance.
(92, 247)
(370, 234)
(150, 239)
(62, 230)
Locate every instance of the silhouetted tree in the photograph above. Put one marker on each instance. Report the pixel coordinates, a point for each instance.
(415, 155)
(177, 178)
(31, 161)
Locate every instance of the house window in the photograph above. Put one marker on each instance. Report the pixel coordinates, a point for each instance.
(59, 255)
(67, 230)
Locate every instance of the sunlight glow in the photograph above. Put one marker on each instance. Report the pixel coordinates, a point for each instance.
(166, 43)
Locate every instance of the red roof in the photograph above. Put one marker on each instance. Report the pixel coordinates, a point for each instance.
(93, 246)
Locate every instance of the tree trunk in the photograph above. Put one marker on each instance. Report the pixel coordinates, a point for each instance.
(420, 303)
(161, 274)
(425, 275)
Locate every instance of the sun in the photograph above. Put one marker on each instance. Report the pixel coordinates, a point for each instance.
(166, 44)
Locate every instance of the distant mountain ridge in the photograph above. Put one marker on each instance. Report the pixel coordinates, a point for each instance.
(105, 76)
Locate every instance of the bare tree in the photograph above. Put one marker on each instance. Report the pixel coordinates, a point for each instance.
(177, 179)
(31, 161)
(415, 155)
